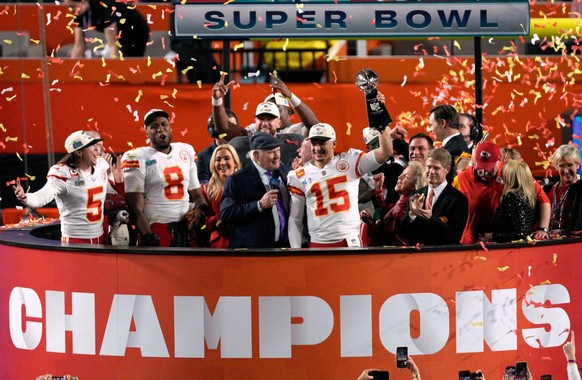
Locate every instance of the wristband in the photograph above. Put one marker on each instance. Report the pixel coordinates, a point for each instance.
(544, 229)
(216, 102)
(295, 101)
(571, 361)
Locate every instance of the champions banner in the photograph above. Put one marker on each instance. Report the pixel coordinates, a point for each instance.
(286, 316)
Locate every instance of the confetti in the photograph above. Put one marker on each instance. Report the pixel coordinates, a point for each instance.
(349, 130)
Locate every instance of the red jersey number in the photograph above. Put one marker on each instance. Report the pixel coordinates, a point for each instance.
(174, 178)
(342, 196)
(94, 206)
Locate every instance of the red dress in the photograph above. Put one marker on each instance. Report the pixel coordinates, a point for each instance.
(219, 234)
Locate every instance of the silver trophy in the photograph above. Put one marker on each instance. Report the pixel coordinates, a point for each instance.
(378, 116)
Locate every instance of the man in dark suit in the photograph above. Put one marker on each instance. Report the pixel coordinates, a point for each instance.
(255, 201)
(444, 124)
(438, 212)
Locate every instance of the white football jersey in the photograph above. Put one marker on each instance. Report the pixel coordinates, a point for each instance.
(164, 179)
(80, 199)
(297, 128)
(331, 196)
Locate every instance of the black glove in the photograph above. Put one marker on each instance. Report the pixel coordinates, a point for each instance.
(150, 240)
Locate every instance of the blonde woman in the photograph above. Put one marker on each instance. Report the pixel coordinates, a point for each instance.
(223, 163)
(515, 215)
(566, 195)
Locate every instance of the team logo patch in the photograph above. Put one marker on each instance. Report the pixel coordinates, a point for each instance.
(342, 166)
(73, 172)
(184, 156)
(300, 173)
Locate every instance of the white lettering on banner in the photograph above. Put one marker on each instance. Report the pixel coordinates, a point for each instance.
(231, 324)
(276, 332)
(147, 336)
(477, 320)
(534, 309)
(29, 337)
(356, 326)
(81, 322)
(434, 323)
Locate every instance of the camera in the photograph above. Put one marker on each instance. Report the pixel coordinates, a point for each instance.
(401, 357)
(379, 375)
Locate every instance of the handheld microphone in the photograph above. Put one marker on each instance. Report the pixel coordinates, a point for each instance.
(275, 181)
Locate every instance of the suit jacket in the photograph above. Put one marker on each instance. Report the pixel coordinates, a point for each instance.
(455, 146)
(449, 215)
(249, 227)
(203, 162)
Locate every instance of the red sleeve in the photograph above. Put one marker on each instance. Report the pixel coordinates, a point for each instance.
(540, 194)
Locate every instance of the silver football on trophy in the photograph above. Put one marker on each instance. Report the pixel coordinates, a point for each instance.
(367, 80)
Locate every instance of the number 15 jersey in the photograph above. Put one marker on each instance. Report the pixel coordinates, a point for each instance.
(331, 196)
(164, 179)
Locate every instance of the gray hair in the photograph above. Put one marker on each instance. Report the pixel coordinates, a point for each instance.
(566, 151)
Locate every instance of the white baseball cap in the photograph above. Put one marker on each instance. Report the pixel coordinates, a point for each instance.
(370, 134)
(152, 114)
(79, 140)
(280, 100)
(322, 131)
(268, 108)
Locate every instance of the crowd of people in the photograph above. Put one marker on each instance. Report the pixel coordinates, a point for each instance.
(277, 184)
(511, 371)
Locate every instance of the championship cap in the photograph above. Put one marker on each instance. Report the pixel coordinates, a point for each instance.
(321, 131)
(280, 100)
(262, 140)
(79, 140)
(268, 108)
(152, 114)
(370, 135)
(487, 155)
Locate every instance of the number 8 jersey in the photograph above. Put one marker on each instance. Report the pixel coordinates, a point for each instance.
(164, 179)
(331, 196)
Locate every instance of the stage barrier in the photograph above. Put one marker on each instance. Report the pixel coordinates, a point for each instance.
(136, 314)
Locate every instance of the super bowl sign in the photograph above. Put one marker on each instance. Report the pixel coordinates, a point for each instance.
(351, 20)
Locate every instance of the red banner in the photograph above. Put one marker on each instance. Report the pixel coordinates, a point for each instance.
(124, 315)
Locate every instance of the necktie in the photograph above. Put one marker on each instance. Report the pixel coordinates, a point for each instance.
(280, 209)
(430, 198)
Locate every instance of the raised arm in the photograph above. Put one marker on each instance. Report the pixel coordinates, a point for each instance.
(384, 151)
(221, 123)
(307, 116)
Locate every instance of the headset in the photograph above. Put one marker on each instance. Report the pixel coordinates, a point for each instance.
(476, 133)
(210, 124)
